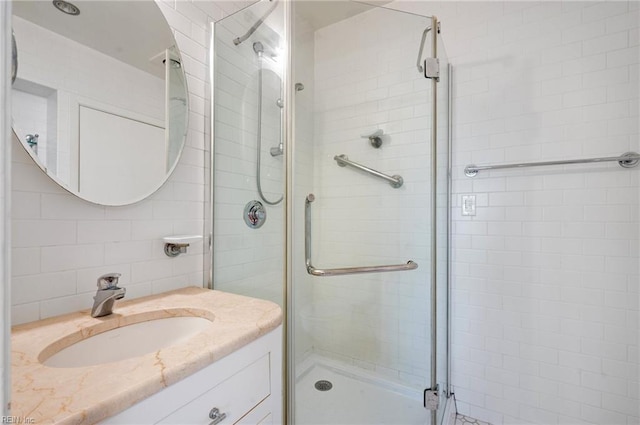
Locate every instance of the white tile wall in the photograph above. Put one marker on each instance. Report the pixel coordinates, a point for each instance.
(62, 244)
(546, 281)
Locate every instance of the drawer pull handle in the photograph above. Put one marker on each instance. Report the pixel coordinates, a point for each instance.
(216, 416)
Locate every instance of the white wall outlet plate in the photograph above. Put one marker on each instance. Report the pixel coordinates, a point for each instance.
(468, 204)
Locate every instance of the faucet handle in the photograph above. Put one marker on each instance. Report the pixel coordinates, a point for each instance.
(108, 281)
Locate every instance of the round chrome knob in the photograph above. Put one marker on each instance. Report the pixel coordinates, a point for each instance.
(215, 416)
(254, 214)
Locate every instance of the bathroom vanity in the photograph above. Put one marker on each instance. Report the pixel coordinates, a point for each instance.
(238, 389)
(228, 371)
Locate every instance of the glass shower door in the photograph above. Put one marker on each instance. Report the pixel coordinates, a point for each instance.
(248, 166)
(363, 137)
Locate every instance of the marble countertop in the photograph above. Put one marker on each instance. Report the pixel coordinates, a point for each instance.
(86, 395)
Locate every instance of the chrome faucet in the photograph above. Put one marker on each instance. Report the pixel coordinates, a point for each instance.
(106, 295)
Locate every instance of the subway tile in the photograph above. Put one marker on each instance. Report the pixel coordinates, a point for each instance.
(107, 231)
(61, 305)
(622, 57)
(621, 405)
(564, 374)
(611, 76)
(606, 43)
(31, 233)
(581, 394)
(71, 257)
(25, 261)
(68, 207)
(583, 32)
(25, 205)
(604, 350)
(581, 65)
(623, 22)
(146, 271)
(603, 10)
(28, 289)
(25, 313)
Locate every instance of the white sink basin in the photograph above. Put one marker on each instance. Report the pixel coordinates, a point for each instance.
(128, 341)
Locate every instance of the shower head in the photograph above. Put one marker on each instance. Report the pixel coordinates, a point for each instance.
(262, 50)
(258, 47)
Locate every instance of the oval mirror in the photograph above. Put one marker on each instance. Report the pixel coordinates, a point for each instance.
(100, 98)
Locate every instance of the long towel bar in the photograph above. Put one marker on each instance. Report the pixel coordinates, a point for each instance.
(343, 160)
(626, 160)
(409, 265)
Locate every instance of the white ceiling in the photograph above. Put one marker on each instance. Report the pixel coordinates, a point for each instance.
(133, 32)
(320, 13)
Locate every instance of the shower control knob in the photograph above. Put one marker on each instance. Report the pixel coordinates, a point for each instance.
(254, 214)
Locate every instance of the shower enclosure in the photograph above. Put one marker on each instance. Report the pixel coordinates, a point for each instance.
(330, 197)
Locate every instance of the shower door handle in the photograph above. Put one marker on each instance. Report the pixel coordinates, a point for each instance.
(419, 61)
(409, 265)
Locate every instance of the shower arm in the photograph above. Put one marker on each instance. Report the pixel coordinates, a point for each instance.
(255, 26)
(410, 265)
(424, 37)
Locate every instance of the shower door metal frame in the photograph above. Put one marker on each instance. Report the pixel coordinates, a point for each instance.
(288, 348)
(212, 155)
(434, 217)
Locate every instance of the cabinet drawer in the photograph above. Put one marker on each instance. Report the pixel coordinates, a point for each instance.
(258, 416)
(234, 397)
(257, 420)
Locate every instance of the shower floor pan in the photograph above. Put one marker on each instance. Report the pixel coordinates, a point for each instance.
(355, 397)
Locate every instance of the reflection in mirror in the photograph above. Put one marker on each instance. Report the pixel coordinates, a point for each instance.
(100, 99)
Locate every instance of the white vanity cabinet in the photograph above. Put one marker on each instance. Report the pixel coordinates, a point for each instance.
(245, 387)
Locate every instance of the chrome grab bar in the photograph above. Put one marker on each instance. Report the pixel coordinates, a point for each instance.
(343, 160)
(410, 265)
(626, 160)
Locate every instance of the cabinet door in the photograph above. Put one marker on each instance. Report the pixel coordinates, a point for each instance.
(233, 397)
